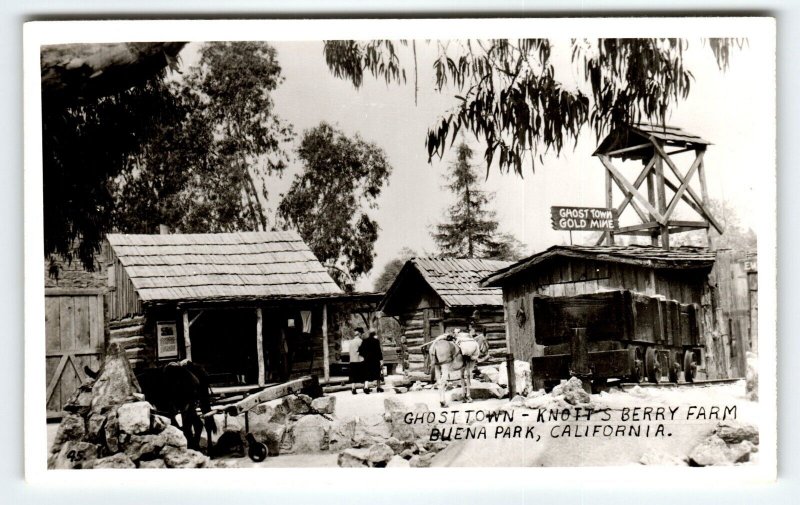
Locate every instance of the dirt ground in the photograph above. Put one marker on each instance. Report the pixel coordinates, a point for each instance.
(547, 451)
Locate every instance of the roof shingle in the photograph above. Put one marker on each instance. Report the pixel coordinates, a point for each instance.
(211, 266)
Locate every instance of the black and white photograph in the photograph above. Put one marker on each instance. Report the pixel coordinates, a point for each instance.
(397, 244)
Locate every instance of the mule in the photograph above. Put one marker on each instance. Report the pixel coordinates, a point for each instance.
(179, 388)
(460, 355)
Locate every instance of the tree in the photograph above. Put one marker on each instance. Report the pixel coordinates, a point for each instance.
(199, 172)
(734, 235)
(471, 229)
(327, 203)
(392, 268)
(508, 95)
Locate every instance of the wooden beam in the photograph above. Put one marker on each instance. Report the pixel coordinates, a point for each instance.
(260, 347)
(609, 202)
(638, 182)
(701, 174)
(628, 188)
(272, 393)
(191, 322)
(638, 227)
(685, 184)
(627, 149)
(326, 359)
(651, 197)
(689, 224)
(703, 206)
(72, 291)
(661, 198)
(187, 341)
(685, 198)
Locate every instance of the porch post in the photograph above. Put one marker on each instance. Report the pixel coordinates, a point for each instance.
(260, 347)
(326, 359)
(187, 343)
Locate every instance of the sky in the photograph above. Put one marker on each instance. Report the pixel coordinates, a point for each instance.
(728, 108)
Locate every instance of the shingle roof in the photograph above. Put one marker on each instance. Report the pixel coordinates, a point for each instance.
(636, 134)
(455, 281)
(218, 266)
(646, 256)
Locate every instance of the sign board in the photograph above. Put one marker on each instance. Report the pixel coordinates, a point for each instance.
(167, 340)
(583, 218)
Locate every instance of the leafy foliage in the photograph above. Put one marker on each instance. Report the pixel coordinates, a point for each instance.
(199, 172)
(392, 268)
(85, 144)
(471, 230)
(509, 97)
(734, 236)
(327, 203)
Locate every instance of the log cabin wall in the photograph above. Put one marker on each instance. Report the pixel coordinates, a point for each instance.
(123, 300)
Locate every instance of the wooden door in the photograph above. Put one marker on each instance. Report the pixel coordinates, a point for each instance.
(74, 331)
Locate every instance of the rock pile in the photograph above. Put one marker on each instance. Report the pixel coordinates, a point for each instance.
(109, 425)
(751, 377)
(732, 442)
(391, 442)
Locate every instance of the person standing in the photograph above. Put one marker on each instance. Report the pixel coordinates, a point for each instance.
(356, 360)
(370, 350)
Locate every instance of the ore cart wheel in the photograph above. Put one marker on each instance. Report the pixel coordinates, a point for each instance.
(674, 372)
(652, 366)
(256, 450)
(689, 366)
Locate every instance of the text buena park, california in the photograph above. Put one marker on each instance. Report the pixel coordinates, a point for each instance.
(574, 422)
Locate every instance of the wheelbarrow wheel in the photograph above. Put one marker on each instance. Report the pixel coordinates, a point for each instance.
(689, 366)
(257, 452)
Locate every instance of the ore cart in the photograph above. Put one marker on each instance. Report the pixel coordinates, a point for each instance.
(616, 335)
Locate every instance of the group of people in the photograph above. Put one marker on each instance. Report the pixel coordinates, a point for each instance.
(366, 361)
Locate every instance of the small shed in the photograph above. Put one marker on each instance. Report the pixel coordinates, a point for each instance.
(682, 274)
(430, 296)
(251, 307)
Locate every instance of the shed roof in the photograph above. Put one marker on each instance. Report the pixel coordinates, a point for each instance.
(645, 256)
(455, 281)
(222, 266)
(631, 135)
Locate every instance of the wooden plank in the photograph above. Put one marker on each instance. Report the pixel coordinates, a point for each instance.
(685, 184)
(82, 323)
(67, 323)
(262, 373)
(96, 323)
(326, 358)
(52, 324)
(56, 377)
(627, 149)
(72, 291)
(187, 342)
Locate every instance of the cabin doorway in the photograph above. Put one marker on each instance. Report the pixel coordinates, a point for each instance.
(224, 344)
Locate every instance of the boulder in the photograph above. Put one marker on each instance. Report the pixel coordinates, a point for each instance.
(134, 418)
(143, 447)
(174, 437)
(175, 457)
(713, 451)
(112, 431)
(536, 393)
(341, 434)
(396, 444)
(74, 454)
(152, 464)
(417, 386)
(522, 374)
(490, 374)
(379, 455)
(81, 400)
(398, 462)
(662, 459)
(95, 427)
(271, 435)
(392, 405)
(400, 389)
(297, 404)
(72, 428)
(408, 453)
(573, 392)
(733, 432)
(324, 404)
(479, 391)
(115, 383)
(118, 460)
(158, 423)
(751, 377)
(232, 444)
(353, 458)
(421, 460)
(310, 434)
(518, 401)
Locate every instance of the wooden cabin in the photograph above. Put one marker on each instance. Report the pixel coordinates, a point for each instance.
(431, 296)
(685, 275)
(253, 308)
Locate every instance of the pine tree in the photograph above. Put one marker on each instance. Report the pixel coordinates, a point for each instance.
(471, 229)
